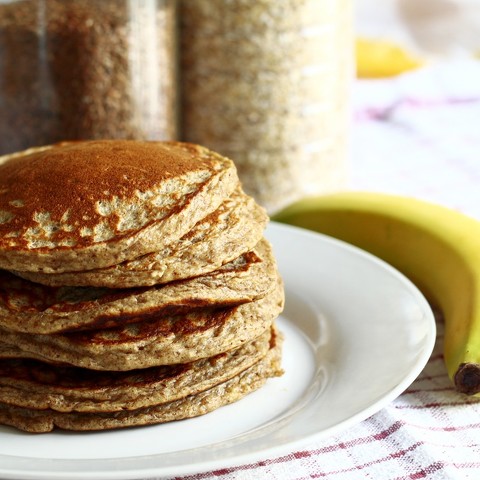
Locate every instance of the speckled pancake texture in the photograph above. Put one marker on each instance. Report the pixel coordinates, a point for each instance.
(229, 391)
(231, 230)
(39, 385)
(29, 307)
(136, 286)
(84, 205)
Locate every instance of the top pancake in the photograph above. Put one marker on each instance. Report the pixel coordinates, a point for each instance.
(231, 230)
(83, 205)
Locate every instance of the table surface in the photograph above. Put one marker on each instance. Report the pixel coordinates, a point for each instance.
(416, 135)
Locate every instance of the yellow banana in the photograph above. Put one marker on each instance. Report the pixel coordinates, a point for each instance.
(437, 248)
(380, 58)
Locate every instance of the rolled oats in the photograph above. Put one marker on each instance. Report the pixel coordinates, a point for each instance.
(86, 69)
(267, 83)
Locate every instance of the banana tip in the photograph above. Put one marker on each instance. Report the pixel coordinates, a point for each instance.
(467, 378)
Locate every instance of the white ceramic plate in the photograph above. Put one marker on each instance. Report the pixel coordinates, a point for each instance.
(357, 334)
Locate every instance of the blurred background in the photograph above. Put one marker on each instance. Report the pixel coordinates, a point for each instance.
(306, 96)
(427, 29)
(416, 104)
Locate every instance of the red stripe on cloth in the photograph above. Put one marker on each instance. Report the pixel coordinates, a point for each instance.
(435, 467)
(423, 472)
(466, 401)
(434, 377)
(446, 429)
(469, 465)
(412, 391)
(300, 454)
(392, 456)
(420, 473)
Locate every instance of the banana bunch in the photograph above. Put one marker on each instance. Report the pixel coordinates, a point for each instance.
(437, 248)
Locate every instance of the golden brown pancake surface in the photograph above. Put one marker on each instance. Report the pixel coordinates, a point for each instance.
(82, 205)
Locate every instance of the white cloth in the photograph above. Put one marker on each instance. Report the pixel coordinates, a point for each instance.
(419, 134)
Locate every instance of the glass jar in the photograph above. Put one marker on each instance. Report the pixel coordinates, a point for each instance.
(267, 83)
(86, 69)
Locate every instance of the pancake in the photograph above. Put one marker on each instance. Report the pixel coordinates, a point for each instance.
(135, 286)
(38, 385)
(12, 351)
(32, 308)
(162, 341)
(39, 421)
(234, 228)
(78, 206)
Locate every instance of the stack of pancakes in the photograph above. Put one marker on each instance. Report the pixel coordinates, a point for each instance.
(136, 286)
